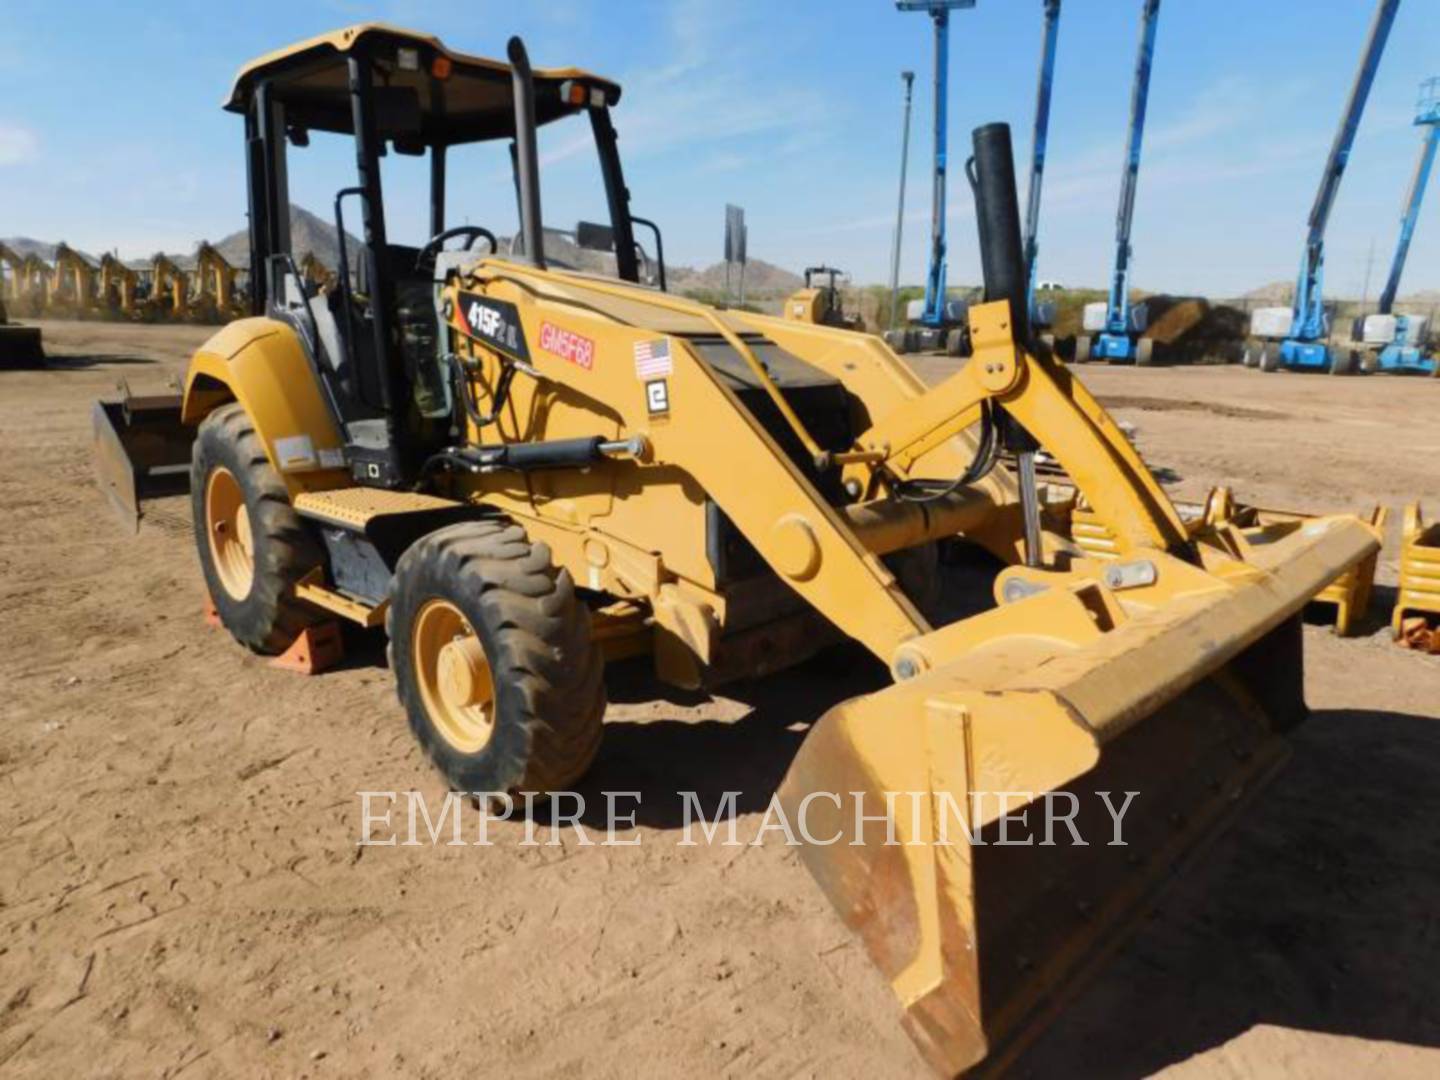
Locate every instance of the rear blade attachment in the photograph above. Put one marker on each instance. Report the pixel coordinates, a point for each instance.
(140, 451)
(20, 346)
(1032, 742)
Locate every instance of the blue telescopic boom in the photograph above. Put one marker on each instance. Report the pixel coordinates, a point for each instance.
(1117, 315)
(1037, 150)
(939, 12)
(1427, 113)
(1308, 324)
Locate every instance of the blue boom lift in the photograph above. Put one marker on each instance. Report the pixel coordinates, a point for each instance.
(1305, 347)
(1041, 315)
(1402, 339)
(938, 324)
(1121, 324)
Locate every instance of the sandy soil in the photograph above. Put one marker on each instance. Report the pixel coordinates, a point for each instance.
(181, 890)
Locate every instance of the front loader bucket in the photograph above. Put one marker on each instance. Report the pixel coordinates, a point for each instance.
(1065, 699)
(141, 451)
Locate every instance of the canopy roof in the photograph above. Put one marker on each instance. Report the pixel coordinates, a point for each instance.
(456, 97)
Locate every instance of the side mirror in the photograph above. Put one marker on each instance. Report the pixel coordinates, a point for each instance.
(595, 237)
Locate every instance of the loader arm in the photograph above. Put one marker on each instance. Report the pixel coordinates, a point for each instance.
(1056, 409)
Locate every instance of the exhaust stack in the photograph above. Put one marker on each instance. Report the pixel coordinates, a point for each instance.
(527, 161)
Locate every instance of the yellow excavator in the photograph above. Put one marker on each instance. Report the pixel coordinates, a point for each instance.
(316, 275)
(215, 296)
(169, 296)
(118, 285)
(20, 346)
(12, 265)
(34, 285)
(523, 471)
(70, 289)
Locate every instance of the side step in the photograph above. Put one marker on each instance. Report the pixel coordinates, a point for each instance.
(365, 531)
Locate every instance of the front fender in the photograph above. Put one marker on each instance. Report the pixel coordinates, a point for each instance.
(261, 364)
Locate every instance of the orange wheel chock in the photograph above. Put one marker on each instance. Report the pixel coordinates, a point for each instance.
(318, 648)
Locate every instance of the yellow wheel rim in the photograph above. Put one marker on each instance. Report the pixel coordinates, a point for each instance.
(453, 675)
(227, 521)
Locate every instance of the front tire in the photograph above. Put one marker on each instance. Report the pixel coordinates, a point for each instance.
(253, 547)
(1269, 358)
(1144, 352)
(1082, 349)
(493, 660)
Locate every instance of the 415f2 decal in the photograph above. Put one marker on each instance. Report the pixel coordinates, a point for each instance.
(494, 322)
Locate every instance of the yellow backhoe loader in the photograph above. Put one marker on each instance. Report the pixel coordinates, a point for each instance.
(820, 302)
(20, 346)
(521, 470)
(118, 286)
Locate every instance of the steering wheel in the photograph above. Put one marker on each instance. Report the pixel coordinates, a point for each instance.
(432, 248)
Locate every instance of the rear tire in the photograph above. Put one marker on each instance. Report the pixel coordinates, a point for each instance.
(1082, 349)
(1144, 352)
(525, 711)
(1269, 358)
(253, 547)
(1344, 362)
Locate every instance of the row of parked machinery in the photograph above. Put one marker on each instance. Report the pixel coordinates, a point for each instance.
(206, 287)
(1297, 337)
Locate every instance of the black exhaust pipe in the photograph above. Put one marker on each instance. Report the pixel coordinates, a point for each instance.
(997, 215)
(1002, 259)
(527, 161)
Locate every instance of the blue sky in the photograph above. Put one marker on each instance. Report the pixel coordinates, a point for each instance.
(111, 134)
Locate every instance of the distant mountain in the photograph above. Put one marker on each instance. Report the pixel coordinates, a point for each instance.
(1277, 292)
(308, 232)
(761, 279)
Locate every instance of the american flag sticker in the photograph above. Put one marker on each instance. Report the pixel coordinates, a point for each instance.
(652, 359)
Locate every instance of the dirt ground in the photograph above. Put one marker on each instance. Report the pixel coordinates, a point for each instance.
(181, 890)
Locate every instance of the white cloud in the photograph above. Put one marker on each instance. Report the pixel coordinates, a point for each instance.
(18, 145)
